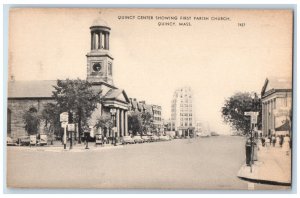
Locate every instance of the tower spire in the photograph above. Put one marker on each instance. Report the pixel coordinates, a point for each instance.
(99, 58)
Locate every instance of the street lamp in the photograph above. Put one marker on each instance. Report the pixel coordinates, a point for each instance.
(254, 109)
(86, 132)
(113, 114)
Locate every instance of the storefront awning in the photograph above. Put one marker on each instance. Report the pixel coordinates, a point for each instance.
(284, 127)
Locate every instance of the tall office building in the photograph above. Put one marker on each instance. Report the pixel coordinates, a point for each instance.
(182, 112)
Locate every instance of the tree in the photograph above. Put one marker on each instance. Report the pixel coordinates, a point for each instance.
(234, 109)
(147, 121)
(31, 120)
(135, 122)
(50, 115)
(79, 97)
(104, 121)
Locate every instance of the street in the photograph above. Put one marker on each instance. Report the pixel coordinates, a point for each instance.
(201, 163)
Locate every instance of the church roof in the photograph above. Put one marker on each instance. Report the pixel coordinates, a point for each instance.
(31, 89)
(115, 94)
(276, 83)
(99, 22)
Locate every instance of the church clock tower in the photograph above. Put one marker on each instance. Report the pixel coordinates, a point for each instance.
(99, 60)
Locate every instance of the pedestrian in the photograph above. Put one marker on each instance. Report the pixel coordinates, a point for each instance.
(286, 144)
(263, 141)
(278, 141)
(281, 140)
(273, 140)
(268, 141)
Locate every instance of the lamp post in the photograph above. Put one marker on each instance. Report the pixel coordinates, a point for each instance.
(86, 132)
(70, 121)
(113, 114)
(255, 109)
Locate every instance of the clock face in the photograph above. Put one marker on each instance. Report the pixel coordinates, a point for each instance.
(97, 67)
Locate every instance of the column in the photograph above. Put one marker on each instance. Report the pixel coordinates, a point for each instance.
(118, 122)
(104, 40)
(268, 110)
(99, 40)
(271, 111)
(263, 118)
(122, 123)
(92, 40)
(126, 123)
(108, 41)
(267, 117)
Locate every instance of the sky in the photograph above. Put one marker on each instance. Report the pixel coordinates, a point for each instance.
(216, 58)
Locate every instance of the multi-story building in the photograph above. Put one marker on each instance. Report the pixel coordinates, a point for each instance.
(182, 113)
(157, 121)
(276, 97)
(154, 110)
(199, 127)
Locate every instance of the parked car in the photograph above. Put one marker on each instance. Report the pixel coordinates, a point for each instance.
(164, 138)
(127, 140)
(10, 142)
(24, 140)
(154, 138)
(43, 139)
(138, 139)
(146, 138)
(214, 134)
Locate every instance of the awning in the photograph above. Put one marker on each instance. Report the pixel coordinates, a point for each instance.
(284, 127)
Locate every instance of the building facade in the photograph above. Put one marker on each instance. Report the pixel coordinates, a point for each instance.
(154, 110)
(182, 112)
(276, 97)
(33, 95)
(157, 120)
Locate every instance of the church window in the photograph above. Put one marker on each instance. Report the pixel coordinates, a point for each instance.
(109, 69)
(33, 110)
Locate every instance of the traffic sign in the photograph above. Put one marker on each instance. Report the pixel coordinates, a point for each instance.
(253, 119)
(64, 124)
(71, 127)
(248, 113)
(64, 116)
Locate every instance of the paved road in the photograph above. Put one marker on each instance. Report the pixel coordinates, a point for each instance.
(203, 163)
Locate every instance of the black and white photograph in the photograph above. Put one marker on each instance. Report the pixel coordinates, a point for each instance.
(149, 98)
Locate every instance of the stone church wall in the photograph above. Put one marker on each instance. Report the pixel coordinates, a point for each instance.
(17, 108)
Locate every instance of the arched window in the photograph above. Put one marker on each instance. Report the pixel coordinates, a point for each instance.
(8, 122)
(33, 110)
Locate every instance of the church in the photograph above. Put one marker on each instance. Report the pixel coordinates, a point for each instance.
(33, 95)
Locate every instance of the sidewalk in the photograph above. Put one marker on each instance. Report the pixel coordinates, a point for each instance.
(58, 147)
(273, 166)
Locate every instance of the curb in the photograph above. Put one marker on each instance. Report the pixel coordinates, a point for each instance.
(257, 175)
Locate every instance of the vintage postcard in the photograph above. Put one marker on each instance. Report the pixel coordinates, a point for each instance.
(150, 98)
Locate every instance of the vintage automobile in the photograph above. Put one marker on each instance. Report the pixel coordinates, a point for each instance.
(33, 140)
(43, 140)
(164, 138)
(154, 138)
(10, 142)
(23, 141)
(127, 140)
(146, 138)
(138, 139)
